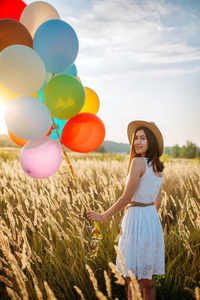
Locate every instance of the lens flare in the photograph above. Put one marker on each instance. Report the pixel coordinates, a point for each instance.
(3, 128)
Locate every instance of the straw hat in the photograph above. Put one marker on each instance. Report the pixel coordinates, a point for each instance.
(132, 126)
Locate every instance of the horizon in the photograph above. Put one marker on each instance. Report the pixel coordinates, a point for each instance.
(165, 146)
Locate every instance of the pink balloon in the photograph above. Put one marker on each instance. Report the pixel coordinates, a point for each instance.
(41, 158)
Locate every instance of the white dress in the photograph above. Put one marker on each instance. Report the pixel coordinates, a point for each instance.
(141, 242)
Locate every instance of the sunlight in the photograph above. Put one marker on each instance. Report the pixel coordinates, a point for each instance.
(3, 128)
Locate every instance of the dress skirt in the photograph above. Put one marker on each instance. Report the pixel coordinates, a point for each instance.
(142, 243)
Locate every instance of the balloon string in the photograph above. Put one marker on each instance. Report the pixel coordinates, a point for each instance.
(66, 156)
(96, 233)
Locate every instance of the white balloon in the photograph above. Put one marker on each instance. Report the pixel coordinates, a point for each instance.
(28, 118)
(36, 13)
(22, 70)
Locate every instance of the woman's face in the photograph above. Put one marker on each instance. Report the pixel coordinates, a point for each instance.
(140, 143)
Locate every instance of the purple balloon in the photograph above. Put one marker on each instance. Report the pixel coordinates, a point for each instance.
(41, 158)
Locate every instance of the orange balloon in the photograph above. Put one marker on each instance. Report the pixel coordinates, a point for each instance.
(92, 102)
(83, 133)
(16, 140)
(22, 142)
(50, 131)
(13, 32)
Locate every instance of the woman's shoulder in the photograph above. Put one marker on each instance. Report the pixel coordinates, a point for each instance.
(138, 160)
(138, 163)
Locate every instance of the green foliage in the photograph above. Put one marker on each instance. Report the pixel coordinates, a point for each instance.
(190, 150)
(175, 151)
(165, 158)
(167, 151)
(101, 149)
(112, 156)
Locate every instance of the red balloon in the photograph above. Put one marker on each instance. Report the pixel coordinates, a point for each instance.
(83, 133)
(11, 9)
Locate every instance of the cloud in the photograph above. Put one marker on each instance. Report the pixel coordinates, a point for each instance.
(113, 33)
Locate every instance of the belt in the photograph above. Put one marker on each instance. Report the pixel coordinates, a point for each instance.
(138, 204)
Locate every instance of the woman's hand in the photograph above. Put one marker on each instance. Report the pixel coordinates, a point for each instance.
(94, 216)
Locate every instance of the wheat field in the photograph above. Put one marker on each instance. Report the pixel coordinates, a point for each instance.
(46, 241)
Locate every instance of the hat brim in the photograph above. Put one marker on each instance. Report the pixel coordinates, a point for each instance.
(132, 126)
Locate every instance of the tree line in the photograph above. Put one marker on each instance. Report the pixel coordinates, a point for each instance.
(190, 150)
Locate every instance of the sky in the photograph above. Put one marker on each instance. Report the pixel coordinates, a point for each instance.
(142, 58)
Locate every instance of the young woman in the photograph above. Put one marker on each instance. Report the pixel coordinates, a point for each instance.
(141, 242)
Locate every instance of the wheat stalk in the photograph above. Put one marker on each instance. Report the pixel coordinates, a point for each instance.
(12, 294)
(6, 281)
(197, 293)
(120, 279)
(136, 294)
(121, 260)
(92, 278)
(50, 294)
(79, 292)
(35, 282)
(108, 284)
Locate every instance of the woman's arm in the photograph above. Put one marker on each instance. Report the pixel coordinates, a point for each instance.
(158, 200)
(137, 167)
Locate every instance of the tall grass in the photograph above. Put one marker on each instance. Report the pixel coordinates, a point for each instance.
(45, 236)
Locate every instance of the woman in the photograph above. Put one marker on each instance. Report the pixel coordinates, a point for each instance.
(141, 242)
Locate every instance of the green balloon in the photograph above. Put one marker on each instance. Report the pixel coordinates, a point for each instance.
(65, 96)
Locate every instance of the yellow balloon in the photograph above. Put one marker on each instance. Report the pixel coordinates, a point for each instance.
(92, 102)
(5, 95)
(36, 95)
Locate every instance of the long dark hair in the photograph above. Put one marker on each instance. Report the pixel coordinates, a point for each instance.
(152, 152)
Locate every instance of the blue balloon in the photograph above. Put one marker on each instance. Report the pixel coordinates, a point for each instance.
(71, 71)
(59, 124)
(57, 44)
(41, 95)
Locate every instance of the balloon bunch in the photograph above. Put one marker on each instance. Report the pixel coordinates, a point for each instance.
(48, 108)
(38, 81)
